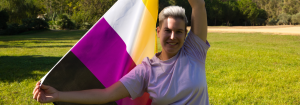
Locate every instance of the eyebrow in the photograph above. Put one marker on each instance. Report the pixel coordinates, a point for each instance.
(176, 30)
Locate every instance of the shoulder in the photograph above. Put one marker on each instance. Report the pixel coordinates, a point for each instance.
(144, 66)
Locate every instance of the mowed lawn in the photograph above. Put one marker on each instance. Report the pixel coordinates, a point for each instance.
(241, 68)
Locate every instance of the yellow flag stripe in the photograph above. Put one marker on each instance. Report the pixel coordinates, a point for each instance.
(152, 6)
(145, 42)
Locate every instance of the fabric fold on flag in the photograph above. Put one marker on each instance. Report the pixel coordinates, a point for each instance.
(109, 50)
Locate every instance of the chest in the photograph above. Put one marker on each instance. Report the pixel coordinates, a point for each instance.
(175, 82)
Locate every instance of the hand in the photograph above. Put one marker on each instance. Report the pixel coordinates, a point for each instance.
(196, 3)
(44, 93)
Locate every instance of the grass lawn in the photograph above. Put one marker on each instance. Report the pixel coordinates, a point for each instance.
(242, 68)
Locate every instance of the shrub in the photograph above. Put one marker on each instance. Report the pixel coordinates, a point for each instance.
(86, 25)
(260, 21)
(296, 18)
(35, 24)
(28, 25)
(284, 18)
(12, 29)
(272, 21)
(52, 24)
(3, 19)
(63, 22)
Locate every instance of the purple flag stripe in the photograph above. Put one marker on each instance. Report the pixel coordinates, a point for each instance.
(70, 74)
(104, 53)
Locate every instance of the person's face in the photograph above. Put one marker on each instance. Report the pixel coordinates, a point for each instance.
(172, 34)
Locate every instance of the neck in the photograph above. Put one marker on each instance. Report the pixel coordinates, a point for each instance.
(165, 56)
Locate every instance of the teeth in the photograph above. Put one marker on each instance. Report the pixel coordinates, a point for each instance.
(172, 43)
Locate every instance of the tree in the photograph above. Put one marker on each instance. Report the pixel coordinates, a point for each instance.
(249, 10)
(3, 19)
(214, 10)
(90, 11)
(230, 11)
(296, 18)
(284, 19)
(262, 17)
(20, 9)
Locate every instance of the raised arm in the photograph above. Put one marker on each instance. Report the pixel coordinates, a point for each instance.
(199, 19)
(45, 94)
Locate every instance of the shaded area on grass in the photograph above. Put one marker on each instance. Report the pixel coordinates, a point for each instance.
(46, 35)
(241, 68)
(19, 68)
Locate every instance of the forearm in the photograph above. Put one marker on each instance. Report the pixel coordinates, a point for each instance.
(197, 3)
(93, 96)
(199, 19)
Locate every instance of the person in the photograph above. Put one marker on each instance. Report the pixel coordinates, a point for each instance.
(176, 75)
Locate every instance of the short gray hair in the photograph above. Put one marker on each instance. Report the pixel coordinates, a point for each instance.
(172, 11)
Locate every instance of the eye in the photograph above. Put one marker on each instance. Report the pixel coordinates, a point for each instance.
(179, 32)
(168, 30)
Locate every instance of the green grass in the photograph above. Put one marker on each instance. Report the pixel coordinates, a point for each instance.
(253, 69)
(242, 68)
(24, 59)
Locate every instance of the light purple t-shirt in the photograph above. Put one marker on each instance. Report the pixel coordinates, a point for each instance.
(180, 80)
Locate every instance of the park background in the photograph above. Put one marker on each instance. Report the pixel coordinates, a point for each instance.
(241, 68)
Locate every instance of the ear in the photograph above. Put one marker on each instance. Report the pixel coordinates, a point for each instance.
(158, 30)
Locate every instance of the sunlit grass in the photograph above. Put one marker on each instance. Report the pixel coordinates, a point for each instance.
(253, 69)
(25, 59)
(241, 68)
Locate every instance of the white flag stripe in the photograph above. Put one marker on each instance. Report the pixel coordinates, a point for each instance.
(126, 21)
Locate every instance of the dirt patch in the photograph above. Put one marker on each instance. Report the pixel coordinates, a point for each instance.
(280, 30)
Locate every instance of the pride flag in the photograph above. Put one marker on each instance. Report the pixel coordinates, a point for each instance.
(109, 50)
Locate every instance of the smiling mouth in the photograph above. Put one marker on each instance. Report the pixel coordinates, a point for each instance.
(172, 43)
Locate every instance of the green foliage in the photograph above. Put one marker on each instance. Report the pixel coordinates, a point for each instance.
(21, 9)
(249, 10)
(3, 19)
(35, 24)
(296, 18)
(63, 22)
(284, 19)
(262, 17)
(88, 12)
(12, 29)
(272, 21)
(29, 24)
(231, 10)
(214, 10)
(277, 7)
(85, 13)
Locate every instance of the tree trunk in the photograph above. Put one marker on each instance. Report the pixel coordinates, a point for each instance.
(228, 23)
(215, 21)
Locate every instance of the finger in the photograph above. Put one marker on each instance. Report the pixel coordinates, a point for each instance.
(42, 97)
(35, 89)
(45, 87)
(38, 83)
(35, 94)
(38, 90)
(39, 97)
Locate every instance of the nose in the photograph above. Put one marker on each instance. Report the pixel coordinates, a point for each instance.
(172, 35)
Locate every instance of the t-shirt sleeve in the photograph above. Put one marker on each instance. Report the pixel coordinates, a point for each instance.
(195, 47)
(135, 81)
